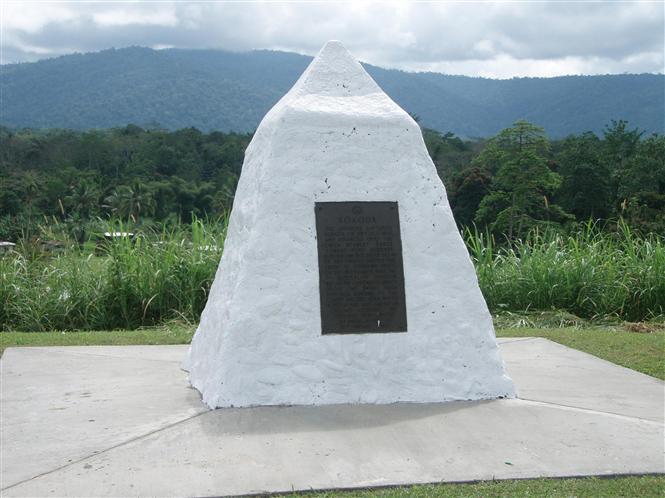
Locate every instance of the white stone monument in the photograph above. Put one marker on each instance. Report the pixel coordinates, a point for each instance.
(336, 137)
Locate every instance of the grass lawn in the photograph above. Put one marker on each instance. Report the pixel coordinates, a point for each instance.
(640, 350)
(644, 352)
(637, 486)
(171, 334)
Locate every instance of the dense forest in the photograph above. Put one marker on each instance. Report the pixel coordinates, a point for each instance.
(226, 91)
(508, 184)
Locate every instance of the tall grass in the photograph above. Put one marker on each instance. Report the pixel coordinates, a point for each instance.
(591, 273)
(124, 283)
(162, 275)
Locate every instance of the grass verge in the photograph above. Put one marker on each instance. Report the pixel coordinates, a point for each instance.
(168, 334)
(638, 486)
(643, 352)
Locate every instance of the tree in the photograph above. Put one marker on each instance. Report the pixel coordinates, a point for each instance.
(31, 189)
(11, 190)
(641, 185)
(83, 199)
(449, 153)
(466, 191)
(523, 184)
(222, 200)
(131, 201)
(585, 190)
(620, 144)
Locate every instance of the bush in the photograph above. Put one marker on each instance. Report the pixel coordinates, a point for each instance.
(591, 273)
(152, 278)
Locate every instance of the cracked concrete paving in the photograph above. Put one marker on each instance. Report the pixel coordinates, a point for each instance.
(122, 421)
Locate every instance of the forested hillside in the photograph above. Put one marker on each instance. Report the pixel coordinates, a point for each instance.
(215, 90)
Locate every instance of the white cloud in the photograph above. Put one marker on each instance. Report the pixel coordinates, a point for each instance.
(488, 39)
(504, 66)
(124, 16)
(29, 17)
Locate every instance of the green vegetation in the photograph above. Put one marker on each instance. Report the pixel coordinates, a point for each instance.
(127, 282)
(637, 486)
(519, 180)
(523, 202)
(522, 182)
(640, 348)
(160, 276)
(590, 273)
(509, 184)
(149, 179)
(637, 346)
(217, 90)
(172, 333)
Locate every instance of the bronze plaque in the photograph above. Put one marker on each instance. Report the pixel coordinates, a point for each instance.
(361, 276)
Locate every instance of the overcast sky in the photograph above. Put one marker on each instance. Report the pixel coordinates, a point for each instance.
(497, 40)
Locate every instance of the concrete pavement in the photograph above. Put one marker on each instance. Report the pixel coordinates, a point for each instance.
(122, 421)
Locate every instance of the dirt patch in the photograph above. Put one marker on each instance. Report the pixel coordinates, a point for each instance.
(643, 327)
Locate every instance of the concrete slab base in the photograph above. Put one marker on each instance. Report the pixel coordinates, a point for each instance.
(122, 421)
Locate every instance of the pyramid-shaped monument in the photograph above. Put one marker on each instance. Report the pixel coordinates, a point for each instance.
(344, 278)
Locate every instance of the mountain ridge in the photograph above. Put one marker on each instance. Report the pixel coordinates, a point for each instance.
(232, 91)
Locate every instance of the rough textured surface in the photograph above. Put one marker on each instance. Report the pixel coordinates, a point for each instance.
(337, 137)
(122, 421)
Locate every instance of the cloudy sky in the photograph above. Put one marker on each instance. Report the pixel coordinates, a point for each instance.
(498, 40)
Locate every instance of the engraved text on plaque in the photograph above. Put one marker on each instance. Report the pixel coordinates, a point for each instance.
(361, 277)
